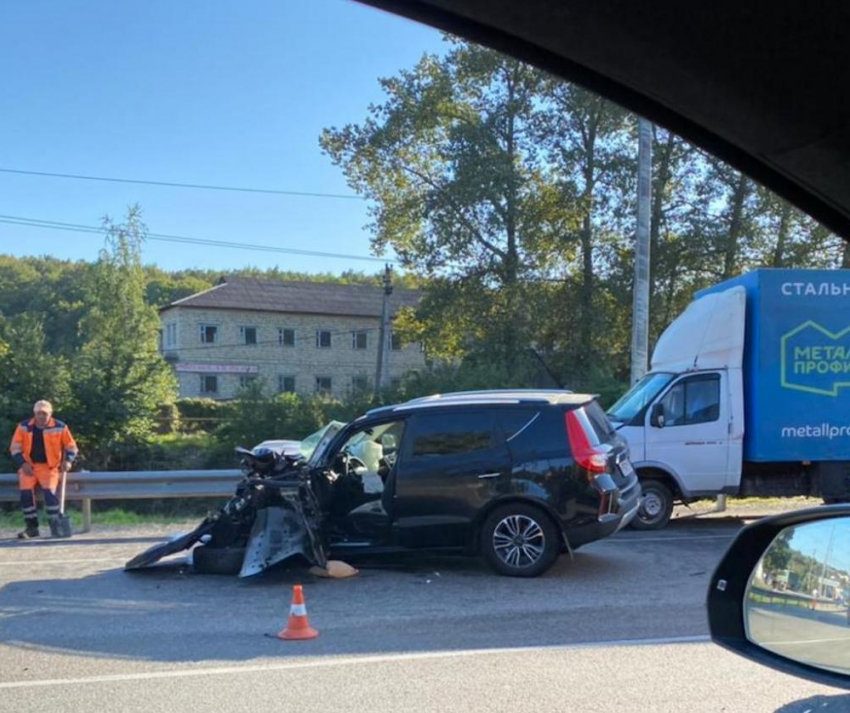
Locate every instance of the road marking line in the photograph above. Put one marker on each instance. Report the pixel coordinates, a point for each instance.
(804, 641)
(349, 661)
(37, 562)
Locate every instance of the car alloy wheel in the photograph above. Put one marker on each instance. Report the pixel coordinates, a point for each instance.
(519, 541)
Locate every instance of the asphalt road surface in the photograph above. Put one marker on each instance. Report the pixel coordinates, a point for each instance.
(622, 628)
(820, 638)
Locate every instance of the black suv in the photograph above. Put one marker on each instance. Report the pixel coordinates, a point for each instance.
(518, 476)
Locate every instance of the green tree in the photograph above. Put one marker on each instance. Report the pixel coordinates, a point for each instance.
(28, 372)
(590, 143)
(778, 555)
(451, 165)
(119, 376)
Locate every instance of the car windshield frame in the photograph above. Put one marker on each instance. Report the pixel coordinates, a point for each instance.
(640, 396)
(317, 443)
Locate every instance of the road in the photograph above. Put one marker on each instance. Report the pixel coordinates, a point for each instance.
(620, 628)
(821, 638)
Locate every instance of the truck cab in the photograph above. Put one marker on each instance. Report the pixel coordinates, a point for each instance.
(684, 420)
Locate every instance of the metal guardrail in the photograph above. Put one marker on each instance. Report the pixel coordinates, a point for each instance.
(131, 485)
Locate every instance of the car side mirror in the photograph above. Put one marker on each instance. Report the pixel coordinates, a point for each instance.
(657, 417)
(781, 594)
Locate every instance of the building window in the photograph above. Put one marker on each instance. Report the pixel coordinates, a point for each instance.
(323, 339)
(395, 340)
(209, 384)
(248, 335)
(246, 380)
(209, 334)
(286, 337)
(360, 339)
(359, 384)
(286, 384)
(323, 384)
(169, 338)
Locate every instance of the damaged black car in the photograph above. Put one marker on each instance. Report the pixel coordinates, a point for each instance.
(519, 477)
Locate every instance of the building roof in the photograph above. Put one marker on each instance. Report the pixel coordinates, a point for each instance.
(245, 293)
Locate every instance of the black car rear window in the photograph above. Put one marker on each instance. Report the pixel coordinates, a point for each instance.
(447, 433)
(598, 421)
(512, 421)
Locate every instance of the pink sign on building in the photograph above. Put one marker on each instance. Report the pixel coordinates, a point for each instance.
(216, 368)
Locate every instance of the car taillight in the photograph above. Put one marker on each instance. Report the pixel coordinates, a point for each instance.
(593, 460)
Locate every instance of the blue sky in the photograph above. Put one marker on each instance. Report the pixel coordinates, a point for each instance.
(813, 539)
(227, 93)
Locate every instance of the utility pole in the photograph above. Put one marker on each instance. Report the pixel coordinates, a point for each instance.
(382, 375)
(640, 304)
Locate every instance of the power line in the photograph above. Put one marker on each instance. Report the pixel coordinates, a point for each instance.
(206, 242)
(174, 184)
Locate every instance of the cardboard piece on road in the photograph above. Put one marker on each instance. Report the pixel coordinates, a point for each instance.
(336, 569)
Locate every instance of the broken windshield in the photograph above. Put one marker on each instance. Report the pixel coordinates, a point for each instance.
(314, 446)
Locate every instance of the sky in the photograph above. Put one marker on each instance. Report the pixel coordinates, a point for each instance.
(814, 538)
(223, 93)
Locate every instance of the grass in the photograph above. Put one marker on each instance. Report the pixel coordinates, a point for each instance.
(111, 517)
(787, 503)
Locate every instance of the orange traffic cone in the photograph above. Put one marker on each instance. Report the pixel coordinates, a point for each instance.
(298, 627)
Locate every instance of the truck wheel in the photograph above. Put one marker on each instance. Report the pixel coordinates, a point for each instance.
(656, 506)
(520, 540)
(217, 560)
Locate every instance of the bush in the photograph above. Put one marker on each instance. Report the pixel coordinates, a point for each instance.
(469, 375)
(167, 419)
(201, 414)
(174, 451)
(255, 417)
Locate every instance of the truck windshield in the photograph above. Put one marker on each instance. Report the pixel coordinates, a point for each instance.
(634, 400)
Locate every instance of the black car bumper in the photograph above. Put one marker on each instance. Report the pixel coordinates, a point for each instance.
(627, 499)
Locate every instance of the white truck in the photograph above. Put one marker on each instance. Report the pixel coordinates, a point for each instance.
(748, 394)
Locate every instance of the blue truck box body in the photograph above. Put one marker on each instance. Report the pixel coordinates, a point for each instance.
(796, 368)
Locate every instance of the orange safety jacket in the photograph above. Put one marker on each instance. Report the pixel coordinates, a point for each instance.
(59, 444)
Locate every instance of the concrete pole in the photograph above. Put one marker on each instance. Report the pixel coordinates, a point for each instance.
(640, 305)
(384, 337)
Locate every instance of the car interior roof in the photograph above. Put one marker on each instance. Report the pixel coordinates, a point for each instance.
(758, 83)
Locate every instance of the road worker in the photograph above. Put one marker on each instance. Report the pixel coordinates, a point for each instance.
(44, 450)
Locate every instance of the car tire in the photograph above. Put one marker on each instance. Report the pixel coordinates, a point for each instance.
(217, 560)
(655, 508)
(529, 524)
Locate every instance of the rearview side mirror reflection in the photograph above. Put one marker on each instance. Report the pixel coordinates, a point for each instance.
(797, 598)
(781, 594)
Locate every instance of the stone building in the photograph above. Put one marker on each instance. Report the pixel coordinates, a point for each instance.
(304, 337)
